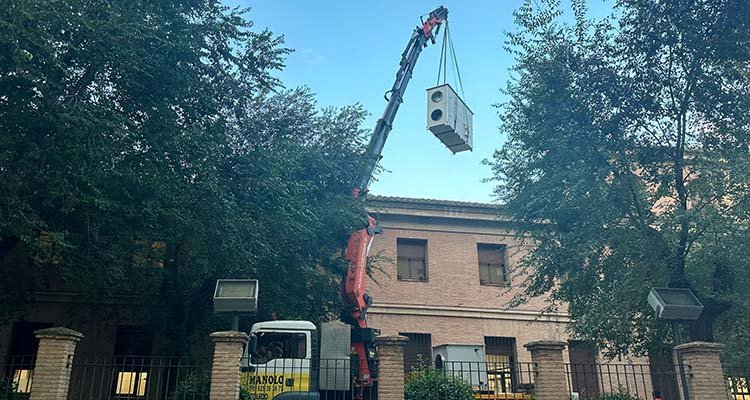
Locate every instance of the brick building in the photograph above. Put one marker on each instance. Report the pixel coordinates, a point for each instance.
(448, 272)
(445, 272)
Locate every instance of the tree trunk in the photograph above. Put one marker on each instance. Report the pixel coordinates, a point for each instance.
(703, 328)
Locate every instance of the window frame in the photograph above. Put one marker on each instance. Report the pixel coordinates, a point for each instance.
(255, 358)
(425, 260)
(131, 357)
(22, 378)
(131, 384)
(502, 267)
(417, 342)
(503, 373)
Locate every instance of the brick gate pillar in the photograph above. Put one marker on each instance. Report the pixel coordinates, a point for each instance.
(225, 369)
(54, 360)
(703, 373)
(550, 380)
(391, 367)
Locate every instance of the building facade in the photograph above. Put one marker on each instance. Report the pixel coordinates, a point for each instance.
(445, 273)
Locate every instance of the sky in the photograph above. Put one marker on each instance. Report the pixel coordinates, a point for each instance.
(348, 52)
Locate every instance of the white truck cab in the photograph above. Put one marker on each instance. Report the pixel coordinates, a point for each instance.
(283, 360)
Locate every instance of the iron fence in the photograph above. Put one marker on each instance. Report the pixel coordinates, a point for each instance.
(488, 380)
(640, 381)
(16, 377)
(332, 378)
(737, 381)
(139, 378)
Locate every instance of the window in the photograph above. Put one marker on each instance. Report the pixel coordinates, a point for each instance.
(133, 341)
(150, 253)
(492, 268)
(583, 378)
(23, 341)
(418, 350)
(131, 383)
(273, 345)
(132, 349)
(23, 348)
(500, 354)
(412, 259)
(22, 380)
(738, 387)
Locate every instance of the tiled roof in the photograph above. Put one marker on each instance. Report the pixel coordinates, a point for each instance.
(406, 201)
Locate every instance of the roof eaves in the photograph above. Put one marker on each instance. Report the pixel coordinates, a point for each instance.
(411, 202)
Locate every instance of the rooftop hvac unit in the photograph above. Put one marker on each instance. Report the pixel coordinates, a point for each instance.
(449, 118)
(465, 361)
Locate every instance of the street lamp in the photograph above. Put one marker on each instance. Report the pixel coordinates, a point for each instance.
(676, 305)
(236, 297)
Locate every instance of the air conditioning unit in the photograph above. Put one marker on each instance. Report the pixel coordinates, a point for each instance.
(449, 118)
(463, 361)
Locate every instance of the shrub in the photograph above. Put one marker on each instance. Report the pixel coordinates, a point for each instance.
(8, 391)
(620, 394)
(427, 383)
(196, 386)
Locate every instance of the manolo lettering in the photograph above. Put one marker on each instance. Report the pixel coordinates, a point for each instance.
(266, 379)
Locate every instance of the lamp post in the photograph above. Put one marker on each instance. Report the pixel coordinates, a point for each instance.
(236, 297)
(677, 306)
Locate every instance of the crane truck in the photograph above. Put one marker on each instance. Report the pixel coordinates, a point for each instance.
(288, 360)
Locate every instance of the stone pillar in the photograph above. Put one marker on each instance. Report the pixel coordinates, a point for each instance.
(703, 373)
(225, 369)
(391, 367)
(550, 380)
(54, 360)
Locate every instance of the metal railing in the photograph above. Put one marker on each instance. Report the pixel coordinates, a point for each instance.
(488, 380)
(737, 381)
(332, 378)
(16, 377)
(139, 378)
(639, 381)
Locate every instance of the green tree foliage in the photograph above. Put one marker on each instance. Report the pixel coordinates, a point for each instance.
(195, 385)
(8, 391)
(627, 160)
(147, 149)
(427, 383)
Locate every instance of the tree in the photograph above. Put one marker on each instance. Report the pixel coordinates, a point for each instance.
(147, 150)
(627, 162)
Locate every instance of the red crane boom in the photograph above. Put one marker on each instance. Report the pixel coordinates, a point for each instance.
(358, 245)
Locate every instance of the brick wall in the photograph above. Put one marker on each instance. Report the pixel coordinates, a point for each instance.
(463, 330)
(452, 305)
(704, 376)
(550, 381)
(54, 362)
(225, 369)
(452, 268)
(391, 367)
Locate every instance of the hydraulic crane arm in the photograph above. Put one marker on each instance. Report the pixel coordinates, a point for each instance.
(419, 39)
(358, 245)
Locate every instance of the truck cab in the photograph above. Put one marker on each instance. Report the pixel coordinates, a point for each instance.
(287, 360)
(280, 362)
